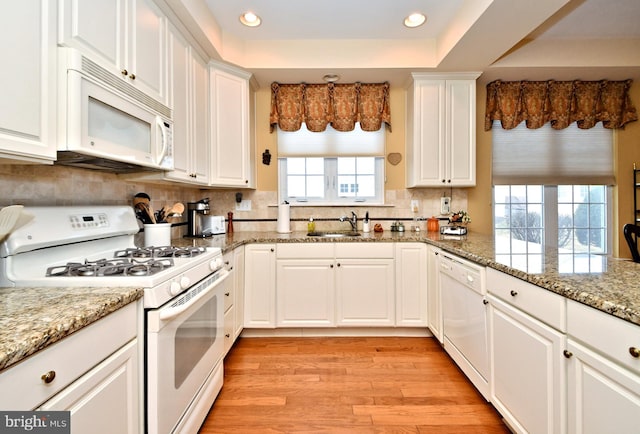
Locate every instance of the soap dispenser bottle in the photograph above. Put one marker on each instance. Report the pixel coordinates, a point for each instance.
(311, 226)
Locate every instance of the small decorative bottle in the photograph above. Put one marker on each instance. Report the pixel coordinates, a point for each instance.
(311, 226)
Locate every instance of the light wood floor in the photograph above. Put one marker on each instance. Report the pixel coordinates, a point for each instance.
(346, 385)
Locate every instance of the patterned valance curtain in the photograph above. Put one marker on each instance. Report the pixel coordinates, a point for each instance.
(560, 103)
(341, 105)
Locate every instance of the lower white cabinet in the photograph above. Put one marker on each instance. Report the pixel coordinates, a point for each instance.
(305, 292)
(93, 373)
(104, 400)
(229, 301)
(603, 365)
(365, 290)
(434, 299)
(528, 374)
(238, 266)
(260, 286)
(411, 284)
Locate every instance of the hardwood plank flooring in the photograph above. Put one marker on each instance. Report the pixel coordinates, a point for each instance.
(346, 385)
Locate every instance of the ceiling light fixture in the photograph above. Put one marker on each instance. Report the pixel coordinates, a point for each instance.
(250, 19)
(415, 20)
(331, 78)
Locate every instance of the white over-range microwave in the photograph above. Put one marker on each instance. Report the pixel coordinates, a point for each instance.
(106, 123)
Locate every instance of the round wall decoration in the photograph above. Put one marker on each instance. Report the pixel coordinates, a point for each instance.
(394, 158)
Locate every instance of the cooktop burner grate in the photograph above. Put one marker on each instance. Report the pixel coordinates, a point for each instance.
(160, 252)
(112, 267)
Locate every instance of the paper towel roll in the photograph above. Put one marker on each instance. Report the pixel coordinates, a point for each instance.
(284, 218)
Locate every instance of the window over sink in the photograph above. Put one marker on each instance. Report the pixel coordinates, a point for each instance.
(331, 167)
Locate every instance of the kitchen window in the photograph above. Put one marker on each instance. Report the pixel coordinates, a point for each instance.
(551, 188)
(332, 167)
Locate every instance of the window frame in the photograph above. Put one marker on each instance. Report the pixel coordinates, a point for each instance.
(331, 189)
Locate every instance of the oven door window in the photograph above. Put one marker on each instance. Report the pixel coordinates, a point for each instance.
(193, 338)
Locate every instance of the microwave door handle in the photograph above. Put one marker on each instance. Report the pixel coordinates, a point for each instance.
(171, 312)
(160, 125)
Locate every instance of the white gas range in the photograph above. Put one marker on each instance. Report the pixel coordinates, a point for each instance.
(183, 298)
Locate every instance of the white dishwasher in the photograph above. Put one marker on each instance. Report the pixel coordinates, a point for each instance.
(464, 312)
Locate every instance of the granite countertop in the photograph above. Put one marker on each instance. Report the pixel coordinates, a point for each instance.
(33, 318)
(608, 284)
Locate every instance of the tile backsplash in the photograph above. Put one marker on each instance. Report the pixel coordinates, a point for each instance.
(39, 185)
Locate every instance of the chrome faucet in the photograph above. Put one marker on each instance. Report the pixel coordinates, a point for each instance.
(353, 221)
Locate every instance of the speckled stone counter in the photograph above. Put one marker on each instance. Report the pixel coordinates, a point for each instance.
(33, 318)
(608, 284)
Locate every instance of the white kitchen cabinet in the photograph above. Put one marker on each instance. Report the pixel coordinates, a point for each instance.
(229, 301)
(128, 37)
(101, 387)
(305, 281)
(238, 266)
(104, 400)
(440, 126)
(603, 364)
(411, 284)
(434, 299)
(260, 286)
(189, 98)
(365, 290)
(233, 154)
(28, 82)
(528, 375)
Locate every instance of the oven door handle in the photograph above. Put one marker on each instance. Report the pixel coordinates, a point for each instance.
(177, 307)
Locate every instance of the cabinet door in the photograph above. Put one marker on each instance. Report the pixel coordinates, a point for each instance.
(98, 28)
(411, 284)
(148, 58)
(260, 286)
(27, 82)
(365, 292)
(434, 303)
(461, 132)
(238, 258)
(426, 151)
(305, 292)
(180, 100)
(106, 399)
(200, 120)
(603, 396)
(527, 370)
(230, 129)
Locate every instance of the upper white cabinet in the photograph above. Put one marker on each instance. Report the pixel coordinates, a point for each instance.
(232, 152)
(128, 37)
(441, 130)
(28, 82)
(189, 97)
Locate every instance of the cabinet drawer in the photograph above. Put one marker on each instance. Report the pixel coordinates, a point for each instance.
(69, 359)
(544, 305)
(304, 250)
(613, 337)
(229, 296)
(364, 250)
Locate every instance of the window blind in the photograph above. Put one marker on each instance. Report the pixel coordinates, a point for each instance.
(331, 143)
(552, 157)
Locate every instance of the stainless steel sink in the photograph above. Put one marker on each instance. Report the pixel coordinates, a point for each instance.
(333, 234)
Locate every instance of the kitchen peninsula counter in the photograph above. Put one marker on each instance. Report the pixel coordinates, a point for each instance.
(33, 318)
(608, 284)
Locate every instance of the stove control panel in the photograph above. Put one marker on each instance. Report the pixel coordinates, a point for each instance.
(89, 221)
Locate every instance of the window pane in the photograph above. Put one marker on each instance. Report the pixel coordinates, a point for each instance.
(366, 165)
(315, 186)
(315, 166)
(519, 192)
(296, 186)
(347, 186)
(296, 166)
(347, 165)
(502, 193)
(366, 185)
(565, 194)
(534, 193)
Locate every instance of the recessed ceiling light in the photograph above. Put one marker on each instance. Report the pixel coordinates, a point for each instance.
(250, 19)
(415, 20)
(331, 78)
